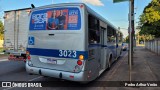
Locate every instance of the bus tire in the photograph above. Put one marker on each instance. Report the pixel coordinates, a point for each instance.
(30, 73)
(109, 62)
(120, 52)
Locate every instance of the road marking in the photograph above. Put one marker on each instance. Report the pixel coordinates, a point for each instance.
(35, 78)
(4, 60)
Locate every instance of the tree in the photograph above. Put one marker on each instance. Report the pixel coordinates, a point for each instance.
(126, 39)
(1, 28)
(150, 19)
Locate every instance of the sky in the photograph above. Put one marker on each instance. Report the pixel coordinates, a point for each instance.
(115, 13)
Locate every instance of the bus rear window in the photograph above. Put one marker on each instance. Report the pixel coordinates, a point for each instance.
(56, 19)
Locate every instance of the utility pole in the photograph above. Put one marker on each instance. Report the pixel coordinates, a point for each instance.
(138, 38)
(133, 31)
(130, 41)
(131, 35)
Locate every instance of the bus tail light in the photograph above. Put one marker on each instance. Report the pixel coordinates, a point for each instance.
(79, 62)
(81, 57)
(28, 55)
(29, 58)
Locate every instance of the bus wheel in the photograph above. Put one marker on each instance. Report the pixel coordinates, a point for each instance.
(120, 52)
(109, 62)
(30, 73)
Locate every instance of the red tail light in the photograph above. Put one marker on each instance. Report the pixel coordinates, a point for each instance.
(79, 62)
(28, 57)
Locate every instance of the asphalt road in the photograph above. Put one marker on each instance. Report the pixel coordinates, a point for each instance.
(15, 71)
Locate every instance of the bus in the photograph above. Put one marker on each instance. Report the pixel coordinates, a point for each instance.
(70, 41)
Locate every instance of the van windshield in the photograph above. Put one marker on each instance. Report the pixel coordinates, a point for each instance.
(55, 19)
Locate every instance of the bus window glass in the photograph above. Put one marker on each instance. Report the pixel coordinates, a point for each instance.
(93, 27)
(111, 33)
(119, 37)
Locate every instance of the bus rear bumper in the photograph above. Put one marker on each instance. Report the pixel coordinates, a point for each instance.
(79, 77)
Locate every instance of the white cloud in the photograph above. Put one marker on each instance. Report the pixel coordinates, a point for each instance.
(94, 2)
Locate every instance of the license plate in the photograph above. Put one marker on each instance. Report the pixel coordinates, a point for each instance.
(52, 61)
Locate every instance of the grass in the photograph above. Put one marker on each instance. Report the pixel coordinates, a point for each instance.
(1, 51)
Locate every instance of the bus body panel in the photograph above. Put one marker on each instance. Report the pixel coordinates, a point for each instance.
(104, 56)
(57, 49)
(81, 76)
(93, 65)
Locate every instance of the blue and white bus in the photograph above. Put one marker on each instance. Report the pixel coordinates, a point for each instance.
(70, 41)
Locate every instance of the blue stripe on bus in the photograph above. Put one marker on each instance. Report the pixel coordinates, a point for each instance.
(104, 46)
(111, 47)
(56, 52)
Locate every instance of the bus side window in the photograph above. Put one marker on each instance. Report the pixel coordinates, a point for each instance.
(111, 34)
(120, 37)
(93, 27)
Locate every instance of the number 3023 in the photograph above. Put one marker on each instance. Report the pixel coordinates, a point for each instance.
(67, 53)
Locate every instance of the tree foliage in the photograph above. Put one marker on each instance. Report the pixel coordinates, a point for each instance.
(1, 27)
(1, 30)
(150, 19)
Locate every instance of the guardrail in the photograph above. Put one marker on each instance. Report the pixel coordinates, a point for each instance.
(153, 45)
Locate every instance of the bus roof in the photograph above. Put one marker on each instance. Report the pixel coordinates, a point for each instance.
(17, 10)
(76, 4)
(100, 17)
